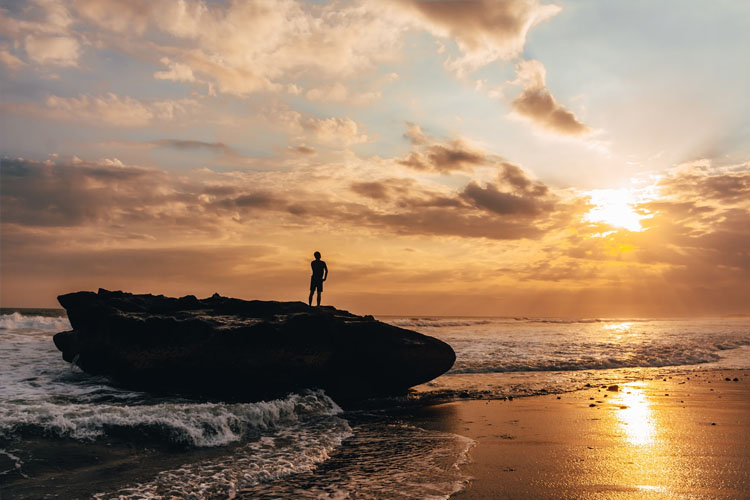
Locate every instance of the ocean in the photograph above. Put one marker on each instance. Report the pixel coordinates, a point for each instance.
(66, 434)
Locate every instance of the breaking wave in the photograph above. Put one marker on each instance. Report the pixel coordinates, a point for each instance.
(599, 357)
(18, 321)
(437, 322)
(187, 424)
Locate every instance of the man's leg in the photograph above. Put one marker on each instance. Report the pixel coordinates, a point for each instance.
(309, 300)
(318, 298)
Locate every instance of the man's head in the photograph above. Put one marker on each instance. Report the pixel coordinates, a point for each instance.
(317, 255)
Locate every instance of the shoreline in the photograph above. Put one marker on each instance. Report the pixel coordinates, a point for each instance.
(650, 438)
(682, 436)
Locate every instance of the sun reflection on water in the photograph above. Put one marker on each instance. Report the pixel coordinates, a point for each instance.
(618, 327)
(635, 415)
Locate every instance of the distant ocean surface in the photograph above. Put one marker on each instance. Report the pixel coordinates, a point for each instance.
(305, 445)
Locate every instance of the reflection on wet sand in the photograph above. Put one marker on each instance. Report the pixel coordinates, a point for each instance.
(635, 417)
(681, 436)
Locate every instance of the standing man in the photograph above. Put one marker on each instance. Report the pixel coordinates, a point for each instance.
(319, 275)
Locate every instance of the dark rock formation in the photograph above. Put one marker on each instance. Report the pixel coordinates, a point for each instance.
(234, 349)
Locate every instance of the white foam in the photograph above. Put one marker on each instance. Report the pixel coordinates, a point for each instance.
(18, 321)
(193, 424)
(292, 450)
(380, 460)
(437, 322)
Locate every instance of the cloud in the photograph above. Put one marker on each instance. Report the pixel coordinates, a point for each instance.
(47, 194)
(177, 72)
(484, 30)
(10, 61)
(45, 33)
(301, 149)
(108, 193)
(250, 46)
(508, 198)
(441, 157)
(55, 50)
(190, 145)
(374, 190)
(108, 109)
(339, 93)
(332, 130)
(727, 184)
(536, 104)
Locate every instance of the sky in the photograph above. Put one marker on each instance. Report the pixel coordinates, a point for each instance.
(574, 158)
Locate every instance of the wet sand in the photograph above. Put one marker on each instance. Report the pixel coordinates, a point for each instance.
(682, 437)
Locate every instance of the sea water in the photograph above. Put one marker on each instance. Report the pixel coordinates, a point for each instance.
(305, 445)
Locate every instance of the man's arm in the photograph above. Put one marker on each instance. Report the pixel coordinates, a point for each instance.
(325, 271)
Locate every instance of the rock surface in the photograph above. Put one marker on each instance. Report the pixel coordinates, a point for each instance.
(234, 349)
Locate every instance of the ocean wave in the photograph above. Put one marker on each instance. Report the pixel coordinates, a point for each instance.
(186, 424)
(573, 321)
(18, 321)
(292, 450)
(379, 460)
(437, 322)
(647, 357)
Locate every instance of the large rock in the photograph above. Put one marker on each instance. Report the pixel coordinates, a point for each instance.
(243, 350)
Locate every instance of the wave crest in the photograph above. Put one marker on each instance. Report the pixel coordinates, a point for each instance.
(18, 321)
(189, 424)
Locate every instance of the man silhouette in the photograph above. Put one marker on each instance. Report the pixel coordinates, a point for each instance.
(319, 275)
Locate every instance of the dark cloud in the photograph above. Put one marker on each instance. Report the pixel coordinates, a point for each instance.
(374, 190)
(44, 194)
(492, 199)
(189, 145)
(77, 194)
(129, 200)
(705, 183)
(448, 221)
(443, 158)
(512, 207)
(484, 30)
(537, 104)
(514, 193)
(302, 150)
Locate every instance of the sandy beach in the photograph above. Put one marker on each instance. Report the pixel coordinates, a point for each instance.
(681, 437)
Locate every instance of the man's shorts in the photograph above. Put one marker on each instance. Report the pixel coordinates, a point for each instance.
(316, 283)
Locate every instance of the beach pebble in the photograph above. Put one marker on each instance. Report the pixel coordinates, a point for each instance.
(558, 397)
(613, 388)
(592, 405)
(728, 379)
(713, 423)
(736, 379)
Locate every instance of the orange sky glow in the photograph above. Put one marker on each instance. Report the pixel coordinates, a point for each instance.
(446, 158)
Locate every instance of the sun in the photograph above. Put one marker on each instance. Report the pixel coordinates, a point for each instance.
(617, 208)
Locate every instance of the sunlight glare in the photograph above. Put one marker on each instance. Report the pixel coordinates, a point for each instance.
(635, 418)
(616, 207)
(618, 327)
